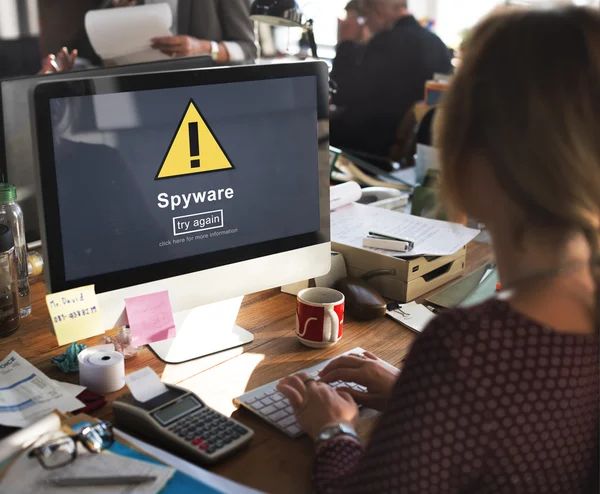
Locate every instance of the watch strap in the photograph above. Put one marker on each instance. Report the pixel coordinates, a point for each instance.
(214, 50)
(332, 431)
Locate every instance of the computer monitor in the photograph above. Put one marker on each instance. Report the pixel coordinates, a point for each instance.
(16, 146)
(210, 184)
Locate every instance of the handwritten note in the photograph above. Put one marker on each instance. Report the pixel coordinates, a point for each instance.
(75, 314)
(150, 318)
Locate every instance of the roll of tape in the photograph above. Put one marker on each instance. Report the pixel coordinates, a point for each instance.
(101, 369)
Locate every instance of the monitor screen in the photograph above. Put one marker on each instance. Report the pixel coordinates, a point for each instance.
(16, 144)
(158, 176)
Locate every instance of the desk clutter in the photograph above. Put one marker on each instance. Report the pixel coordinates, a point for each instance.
(82, 453)
(434, 251)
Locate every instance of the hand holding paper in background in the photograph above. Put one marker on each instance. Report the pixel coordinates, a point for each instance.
(150, 318)
(122, 36)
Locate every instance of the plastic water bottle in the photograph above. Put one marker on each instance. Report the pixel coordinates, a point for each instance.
(9, 300)
(12, 216)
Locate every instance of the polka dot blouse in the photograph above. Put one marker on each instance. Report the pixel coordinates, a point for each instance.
(488, 401)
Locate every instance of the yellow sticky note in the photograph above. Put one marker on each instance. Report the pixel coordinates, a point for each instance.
(75, 314)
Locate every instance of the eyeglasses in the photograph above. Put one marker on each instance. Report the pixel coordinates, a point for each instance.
(61, 451)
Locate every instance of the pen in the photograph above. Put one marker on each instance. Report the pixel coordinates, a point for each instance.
(95, 481)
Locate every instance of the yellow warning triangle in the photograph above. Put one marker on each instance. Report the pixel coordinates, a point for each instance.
(194, 148)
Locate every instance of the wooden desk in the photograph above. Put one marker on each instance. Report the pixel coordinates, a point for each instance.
(273, 462)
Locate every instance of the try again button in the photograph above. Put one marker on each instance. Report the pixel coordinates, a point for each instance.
(198, 222)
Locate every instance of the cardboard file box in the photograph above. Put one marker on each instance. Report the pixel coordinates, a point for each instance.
(413, 277)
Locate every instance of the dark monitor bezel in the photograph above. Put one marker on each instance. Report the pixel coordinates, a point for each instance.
(46, 171)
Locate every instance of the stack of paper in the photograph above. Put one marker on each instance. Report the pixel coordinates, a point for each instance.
(352, 223)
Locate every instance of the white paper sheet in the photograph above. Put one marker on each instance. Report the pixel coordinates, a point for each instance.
(414, 316)
(351, 223)
(70, 388)
(145, 384)
(215, 481)
(123, 35)
(27, 476)
(27, 395)
(344, 194)
(19, 440)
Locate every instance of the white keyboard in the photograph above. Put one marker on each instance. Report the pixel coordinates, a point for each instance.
(272, 406)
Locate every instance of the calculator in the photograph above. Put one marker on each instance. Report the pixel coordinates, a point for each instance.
(180, 422)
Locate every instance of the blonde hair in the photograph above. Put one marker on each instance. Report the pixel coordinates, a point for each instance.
(526, 99)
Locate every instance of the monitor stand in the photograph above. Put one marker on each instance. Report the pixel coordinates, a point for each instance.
(203, 331)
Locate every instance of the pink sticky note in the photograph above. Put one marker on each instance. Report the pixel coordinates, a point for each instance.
(150, 318)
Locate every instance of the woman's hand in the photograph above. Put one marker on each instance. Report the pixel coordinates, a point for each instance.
(368, 371)
(316, 404)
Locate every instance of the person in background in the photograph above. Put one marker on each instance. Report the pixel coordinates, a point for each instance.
(20, 63)
(63, 61)
(354, 20)
(378, 82)
(221, 28)
(502, 397)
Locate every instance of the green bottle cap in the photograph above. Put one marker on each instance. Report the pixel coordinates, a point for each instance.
(8, 193)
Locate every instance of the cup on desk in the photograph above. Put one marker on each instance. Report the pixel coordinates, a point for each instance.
(319, 316)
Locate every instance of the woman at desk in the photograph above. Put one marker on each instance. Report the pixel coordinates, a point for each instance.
(504, 396)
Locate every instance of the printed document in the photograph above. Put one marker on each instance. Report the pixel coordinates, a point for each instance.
(351, 223)
(27, 394)
(122, 36)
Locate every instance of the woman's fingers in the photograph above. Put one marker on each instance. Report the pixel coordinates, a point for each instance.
(349, 375)
(292, 394)
(344, 362)
(362, 398)
(371, 356)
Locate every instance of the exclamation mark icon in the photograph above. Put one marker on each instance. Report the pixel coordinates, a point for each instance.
(194, 144)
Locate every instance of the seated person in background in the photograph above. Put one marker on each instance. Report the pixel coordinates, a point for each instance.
(18, 62)
(502, 397)
(198, 25)
(63, 61)
(354, 20)
(378, 82)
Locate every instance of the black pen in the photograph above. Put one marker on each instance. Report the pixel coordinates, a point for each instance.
(95, 481)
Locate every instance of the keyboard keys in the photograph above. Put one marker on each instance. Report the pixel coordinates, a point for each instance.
(268, 397)
(294, 430)
(277, 416)
(289, 420)
(268, 410)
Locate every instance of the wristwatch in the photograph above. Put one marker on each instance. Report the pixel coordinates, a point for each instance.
(214, 50)
(335, 430)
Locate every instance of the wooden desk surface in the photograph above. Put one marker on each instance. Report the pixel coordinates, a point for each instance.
(273, 462)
